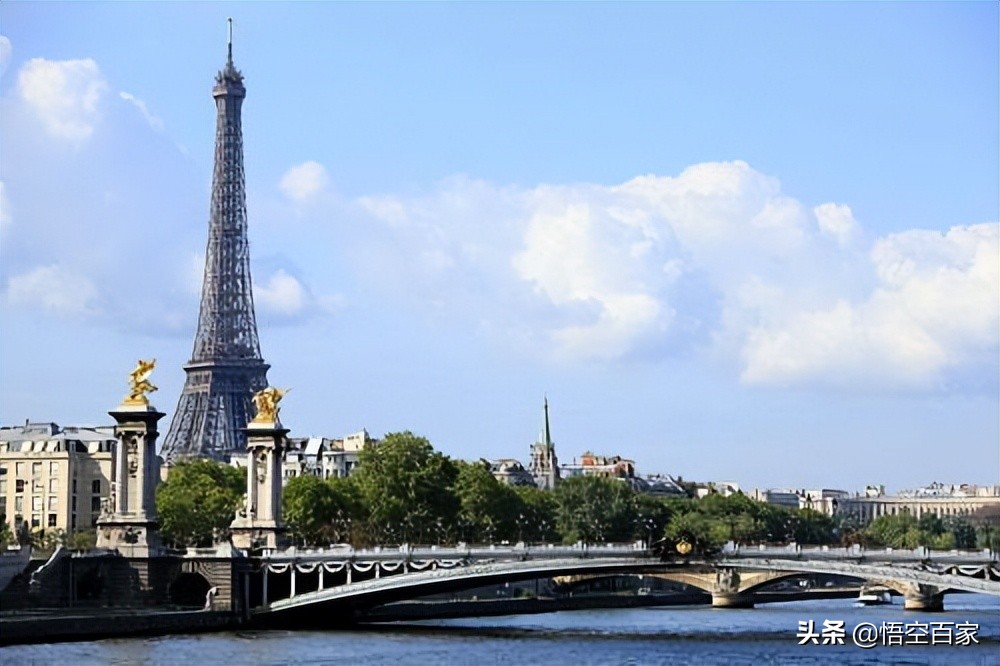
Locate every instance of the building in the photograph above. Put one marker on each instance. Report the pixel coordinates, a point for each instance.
(824, 500)
(324, 457)
(724, 488)
(544, 466)
(661, 485)
(614, 467)
(937, 499)
(55, 478)
(226, 367)
(511, 472)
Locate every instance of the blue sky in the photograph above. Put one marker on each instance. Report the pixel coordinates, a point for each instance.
(731, 241)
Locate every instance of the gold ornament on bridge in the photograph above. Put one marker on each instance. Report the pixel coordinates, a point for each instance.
(266, 401)
(684, 548)
(139, 384)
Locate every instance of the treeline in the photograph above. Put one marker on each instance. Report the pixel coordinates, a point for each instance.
(403, 491)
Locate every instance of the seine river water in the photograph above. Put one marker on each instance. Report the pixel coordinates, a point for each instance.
(678, 635)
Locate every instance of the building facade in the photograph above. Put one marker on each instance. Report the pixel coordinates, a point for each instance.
(55, 478)
(937, 499)
(323, 457)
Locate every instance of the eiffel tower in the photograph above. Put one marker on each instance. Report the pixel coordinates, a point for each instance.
(226, 367)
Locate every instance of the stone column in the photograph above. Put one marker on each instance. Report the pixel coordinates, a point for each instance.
(130, 525)
(258, 523)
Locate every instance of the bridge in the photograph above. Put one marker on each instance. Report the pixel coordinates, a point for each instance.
(340, 583)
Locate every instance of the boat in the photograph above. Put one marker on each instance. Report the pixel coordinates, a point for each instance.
(874, 597)
(12, 562)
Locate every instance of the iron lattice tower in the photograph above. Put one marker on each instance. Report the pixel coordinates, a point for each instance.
(226, 367)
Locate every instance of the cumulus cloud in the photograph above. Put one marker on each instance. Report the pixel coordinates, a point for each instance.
(715, 259)
(64, 94)
(283, 298)
(55, 289)
(836, 221)
(303, 182)
(154, 121)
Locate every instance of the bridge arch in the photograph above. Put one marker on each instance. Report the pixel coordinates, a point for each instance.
(188, 589)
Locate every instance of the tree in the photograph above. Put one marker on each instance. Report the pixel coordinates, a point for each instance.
(812, 527)
(488, 510)
(308, 507)
(6, 535)
(405, 488)
(540, 514)
(595, 509)
(652, 514)
(198, 501)
(705, 532)
(83, 540)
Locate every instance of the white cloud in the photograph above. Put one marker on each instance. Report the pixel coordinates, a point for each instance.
(65, 94)
(836, 221)
(154, 121)
(304, 181)
(282, 294)
(55, 289)
(714, 258)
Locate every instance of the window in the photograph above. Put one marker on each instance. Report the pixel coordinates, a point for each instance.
(53, 468)
(37, 486)
(52, 520)
(53, 485)
(95, 505)
(53, 502)
(74, 485)
(19, 486)
(36, 503)
(73, 522)
(3, 487)
(36, 469)
(18, 504)
(36, 520)
(19, 469)
(96, 486)
(74, 503)
(93, 520)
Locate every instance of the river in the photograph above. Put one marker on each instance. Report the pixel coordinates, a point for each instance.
(666, 635)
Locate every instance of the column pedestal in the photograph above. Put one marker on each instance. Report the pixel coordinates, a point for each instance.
(258, 523)
(129, 523)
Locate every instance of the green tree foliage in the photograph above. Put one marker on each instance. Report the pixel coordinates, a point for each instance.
(198, 501)
(540, 511)
(83, 540)
(595, 509)
(488, 510)
(704, 531)
(309, 507)
(905, 531)
(6, 535)
(405, 489)
(652, 515)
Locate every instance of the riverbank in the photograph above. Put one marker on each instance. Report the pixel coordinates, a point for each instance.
(25, 627)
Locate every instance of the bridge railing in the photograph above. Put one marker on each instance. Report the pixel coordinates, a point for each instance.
(407, 552)
(859, 553)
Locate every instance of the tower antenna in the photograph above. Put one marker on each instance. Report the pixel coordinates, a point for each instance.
(229, 21)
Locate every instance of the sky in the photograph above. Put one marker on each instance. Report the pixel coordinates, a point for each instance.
(731, 241)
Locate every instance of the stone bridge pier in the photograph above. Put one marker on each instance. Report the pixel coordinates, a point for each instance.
(729, 587)
(920, 597)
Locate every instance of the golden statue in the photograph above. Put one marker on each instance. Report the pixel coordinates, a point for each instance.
(139, 384)
(266, 401)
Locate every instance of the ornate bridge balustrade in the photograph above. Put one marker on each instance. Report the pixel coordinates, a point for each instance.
(338, 583)
(921, 575)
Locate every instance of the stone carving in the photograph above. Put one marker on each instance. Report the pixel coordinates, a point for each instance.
(727, 581)
(266, 401)
(139, 384)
